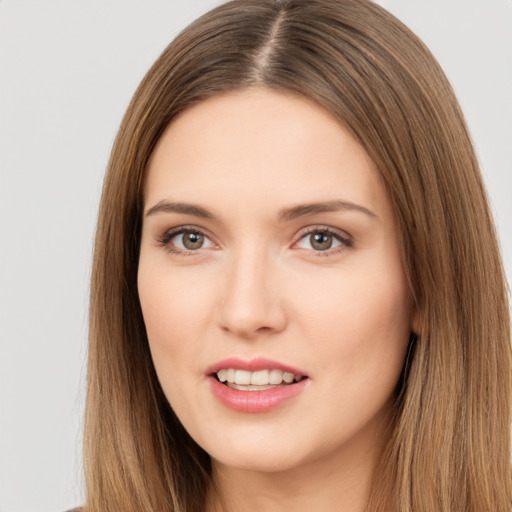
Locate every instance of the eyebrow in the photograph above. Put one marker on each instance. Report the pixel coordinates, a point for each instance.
(185, 208)
(302, 210)
(286, 214)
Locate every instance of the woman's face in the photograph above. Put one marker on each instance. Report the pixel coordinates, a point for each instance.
(270, 258)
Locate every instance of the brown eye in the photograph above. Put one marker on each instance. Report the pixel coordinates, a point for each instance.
(321, 241)
(191, 240)
(186, 241)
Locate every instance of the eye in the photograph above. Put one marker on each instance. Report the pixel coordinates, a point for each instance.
(323, 240)
(183, 240)
(189, 240)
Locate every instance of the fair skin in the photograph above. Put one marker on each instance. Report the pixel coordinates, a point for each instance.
(249, 273)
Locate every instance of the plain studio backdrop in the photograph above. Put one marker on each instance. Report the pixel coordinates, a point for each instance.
(68, 69)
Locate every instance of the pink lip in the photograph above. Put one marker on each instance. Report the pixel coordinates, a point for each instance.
(253, 365)
(254, 401)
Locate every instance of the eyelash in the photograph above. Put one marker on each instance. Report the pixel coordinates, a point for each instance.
(345, 240)
(165, 239)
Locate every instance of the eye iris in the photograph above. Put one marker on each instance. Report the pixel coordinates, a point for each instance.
(193, 240)
(321, 241)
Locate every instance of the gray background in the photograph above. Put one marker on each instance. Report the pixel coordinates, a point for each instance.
(67, 71)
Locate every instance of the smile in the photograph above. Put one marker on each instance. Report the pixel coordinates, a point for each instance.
(256, 386)
(261, 380)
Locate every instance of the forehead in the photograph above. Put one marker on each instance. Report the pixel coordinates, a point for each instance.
(254, 144)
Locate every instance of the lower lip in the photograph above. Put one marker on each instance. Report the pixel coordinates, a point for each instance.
(255, 401)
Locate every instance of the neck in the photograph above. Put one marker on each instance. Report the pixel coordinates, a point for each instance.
(250, 491)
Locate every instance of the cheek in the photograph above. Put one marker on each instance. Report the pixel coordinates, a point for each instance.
(358, 333)
(176, 307)
(359, 323)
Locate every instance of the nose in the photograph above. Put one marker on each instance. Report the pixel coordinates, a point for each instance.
(252, 297)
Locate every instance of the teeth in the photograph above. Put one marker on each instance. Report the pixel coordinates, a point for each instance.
(276, 377)
(242, 377)
(251, 387)
(259, 378)
(288, 377)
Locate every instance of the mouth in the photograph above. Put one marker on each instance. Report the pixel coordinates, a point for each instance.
(256, 386)
(261, 380)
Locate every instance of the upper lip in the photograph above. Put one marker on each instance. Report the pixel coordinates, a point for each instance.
(253, 365)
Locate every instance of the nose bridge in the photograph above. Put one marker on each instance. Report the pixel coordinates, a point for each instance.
(252, 296)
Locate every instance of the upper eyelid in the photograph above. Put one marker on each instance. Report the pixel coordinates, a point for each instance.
(322, 228)
(187, 227)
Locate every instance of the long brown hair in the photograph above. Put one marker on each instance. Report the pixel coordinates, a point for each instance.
(449, 449)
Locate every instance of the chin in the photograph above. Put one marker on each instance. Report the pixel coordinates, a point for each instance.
(257, 455)
(259, 463)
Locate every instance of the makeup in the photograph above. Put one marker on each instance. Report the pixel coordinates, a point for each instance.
(271, 354)
(257, 386)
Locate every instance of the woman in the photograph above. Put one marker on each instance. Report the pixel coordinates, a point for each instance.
(297, 297)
